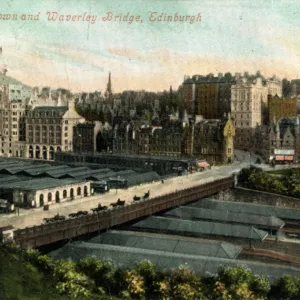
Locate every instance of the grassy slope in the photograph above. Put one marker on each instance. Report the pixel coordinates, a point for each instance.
(21, 280)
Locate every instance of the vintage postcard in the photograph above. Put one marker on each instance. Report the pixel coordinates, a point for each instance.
(149, 149)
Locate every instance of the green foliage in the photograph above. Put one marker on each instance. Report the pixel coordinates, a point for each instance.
(21, 280)
(260, 286)
(93, 278)
(103, 273)
(70, 281)
(184, 284)
(148, 272)
(239, 283)
(289, 286)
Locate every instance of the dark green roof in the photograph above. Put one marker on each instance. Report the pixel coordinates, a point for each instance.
(161, 242)
(37, 184)
(194, 213)
(167, 261)
(200, 228)
(249, 208)
(50, 108)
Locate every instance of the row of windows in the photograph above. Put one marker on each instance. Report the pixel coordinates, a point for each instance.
(44, 121)
(44, 141)
(45, 128)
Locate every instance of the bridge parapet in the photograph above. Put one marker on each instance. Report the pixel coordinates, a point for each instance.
(70, 228)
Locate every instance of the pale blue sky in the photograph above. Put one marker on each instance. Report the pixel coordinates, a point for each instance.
(233, 36)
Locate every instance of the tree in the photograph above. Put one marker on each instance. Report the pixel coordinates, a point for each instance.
(289, 286)
(70, 281)
(185, 284)
(148, 271)
(238, 283)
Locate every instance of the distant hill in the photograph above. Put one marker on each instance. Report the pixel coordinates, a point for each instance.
(4, 79)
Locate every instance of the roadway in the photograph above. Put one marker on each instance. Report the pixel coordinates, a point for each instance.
(35, 216)
(31, 217)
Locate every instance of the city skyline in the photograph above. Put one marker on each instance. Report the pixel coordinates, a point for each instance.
(231, 36)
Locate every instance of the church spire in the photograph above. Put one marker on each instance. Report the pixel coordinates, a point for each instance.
(108, 92)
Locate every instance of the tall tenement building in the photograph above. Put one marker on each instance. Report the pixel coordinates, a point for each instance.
(13, 99)
(49, 126)
(281, 107)
(249, 100)
(208, 96)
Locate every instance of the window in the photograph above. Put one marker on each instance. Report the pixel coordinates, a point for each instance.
(66, 121)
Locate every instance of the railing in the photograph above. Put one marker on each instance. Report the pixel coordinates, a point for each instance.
(49, 233)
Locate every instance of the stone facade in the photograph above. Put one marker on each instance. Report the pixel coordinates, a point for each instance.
(84, 137)
(38, 198)
(281, 107)
(13, 99)
(280, 139)
(206, 139)
(49, 129)
(213, 139)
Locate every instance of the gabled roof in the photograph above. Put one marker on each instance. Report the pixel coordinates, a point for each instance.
(171, 243)
(199, 228)
(50, 108)
(195, 213)
(249, 208)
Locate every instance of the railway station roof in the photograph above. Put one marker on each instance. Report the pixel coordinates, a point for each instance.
(138, 178)
(166, 261)
(195, 213)
(37, 184)
(101, 176)
(87, 173)
(200, 228)
(169, 243)
(63, 172)
(249, 208)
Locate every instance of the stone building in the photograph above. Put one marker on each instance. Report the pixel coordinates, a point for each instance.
(14, 97)
(84, 137)
(42, 191)
(206, 139)
(249, 101)
(208, 95)
(281, 107)
(213, 140)
(49, 129)
(280, 141)
(189, 88)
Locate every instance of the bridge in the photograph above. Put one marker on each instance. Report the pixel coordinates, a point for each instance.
(45, 234)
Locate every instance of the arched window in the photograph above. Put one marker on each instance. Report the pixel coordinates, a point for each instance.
(41, 200)
(64, 193)
(44, 152)
(37, 152)
(79, 191)
(30, 152)
(85, 190)
(49, 197)
(72, 194)
(57, 196)
(51, 153)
